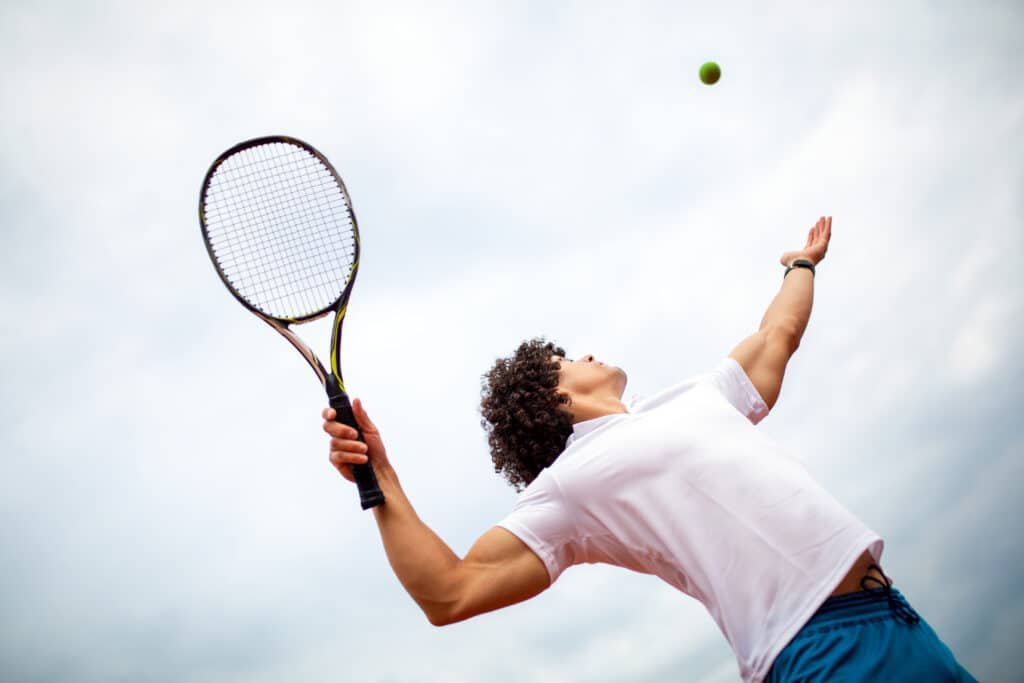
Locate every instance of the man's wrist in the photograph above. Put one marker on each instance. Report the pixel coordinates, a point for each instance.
(800, 264)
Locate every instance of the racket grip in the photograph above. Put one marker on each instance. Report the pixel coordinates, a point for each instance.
(370, 494)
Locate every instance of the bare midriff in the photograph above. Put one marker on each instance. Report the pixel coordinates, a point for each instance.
(851, 583)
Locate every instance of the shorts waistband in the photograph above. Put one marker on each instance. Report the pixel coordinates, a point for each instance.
(863, 604)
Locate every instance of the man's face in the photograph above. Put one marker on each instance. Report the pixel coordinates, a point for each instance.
(589, 377)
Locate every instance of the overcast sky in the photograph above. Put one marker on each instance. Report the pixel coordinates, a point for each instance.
(167, 511)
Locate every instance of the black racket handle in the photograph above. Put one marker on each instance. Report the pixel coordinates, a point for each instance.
(370, 494)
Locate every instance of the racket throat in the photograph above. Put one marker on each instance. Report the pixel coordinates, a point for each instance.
(334, 387)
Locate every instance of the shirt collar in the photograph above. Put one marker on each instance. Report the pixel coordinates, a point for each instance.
(581, 429)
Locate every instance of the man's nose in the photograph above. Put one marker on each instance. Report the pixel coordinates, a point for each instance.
(589, 358)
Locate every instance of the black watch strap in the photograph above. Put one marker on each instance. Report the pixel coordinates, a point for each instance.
(799, 263)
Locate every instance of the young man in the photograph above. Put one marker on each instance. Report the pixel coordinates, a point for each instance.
(680, 485)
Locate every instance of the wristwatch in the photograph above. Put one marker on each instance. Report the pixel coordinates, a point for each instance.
(799, 263)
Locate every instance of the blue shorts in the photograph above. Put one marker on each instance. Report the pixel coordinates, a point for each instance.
(872, 635)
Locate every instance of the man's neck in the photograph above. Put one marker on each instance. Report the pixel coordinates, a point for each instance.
(593, 407)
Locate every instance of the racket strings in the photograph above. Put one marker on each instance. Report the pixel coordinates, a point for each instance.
(279, 270)
(281, 229)
(237, 256)
(277, 284)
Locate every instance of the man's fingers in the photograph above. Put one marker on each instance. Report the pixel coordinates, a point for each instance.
(345, 447)
(340, 431)
(348, 445)
(344, 458)
(345, 452)
(345, 471)
(826, 230)
(347, 458)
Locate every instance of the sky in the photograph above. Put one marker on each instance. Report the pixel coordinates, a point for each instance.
(518, 169)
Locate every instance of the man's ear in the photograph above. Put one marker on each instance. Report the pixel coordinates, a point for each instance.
(566, 404)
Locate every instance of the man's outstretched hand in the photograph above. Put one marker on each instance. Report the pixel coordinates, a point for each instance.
(817, 243)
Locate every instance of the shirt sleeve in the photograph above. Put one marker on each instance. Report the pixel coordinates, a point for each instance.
(542, 521)
(730, 379)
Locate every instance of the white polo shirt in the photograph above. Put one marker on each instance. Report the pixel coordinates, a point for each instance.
(684, 487)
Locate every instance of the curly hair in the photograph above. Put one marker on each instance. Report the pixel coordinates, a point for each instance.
(522, 415)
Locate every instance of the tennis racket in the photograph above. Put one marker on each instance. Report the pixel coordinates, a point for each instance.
(280, 230)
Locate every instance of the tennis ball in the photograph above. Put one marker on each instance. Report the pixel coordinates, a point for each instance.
(710, 73)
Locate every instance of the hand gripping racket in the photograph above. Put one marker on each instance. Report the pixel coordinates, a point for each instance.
(280, 230)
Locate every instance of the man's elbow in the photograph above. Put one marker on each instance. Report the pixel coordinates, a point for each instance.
(438, 620)
(447, 613)
(441, 614)
(440, 617)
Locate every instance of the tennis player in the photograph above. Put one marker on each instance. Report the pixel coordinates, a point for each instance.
(681, 485)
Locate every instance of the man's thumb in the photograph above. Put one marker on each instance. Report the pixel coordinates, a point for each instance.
(365, 423)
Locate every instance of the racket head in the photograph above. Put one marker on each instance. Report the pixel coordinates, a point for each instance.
(279, 227)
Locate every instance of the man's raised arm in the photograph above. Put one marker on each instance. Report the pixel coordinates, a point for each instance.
(498, 571)
(765, 354)
(791, 308)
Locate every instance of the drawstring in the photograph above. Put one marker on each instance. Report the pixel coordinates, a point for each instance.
(899, 607)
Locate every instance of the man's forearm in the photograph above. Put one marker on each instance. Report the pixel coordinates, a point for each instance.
(791, 308)
(423, 563)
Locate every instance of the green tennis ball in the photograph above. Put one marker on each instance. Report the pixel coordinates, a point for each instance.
(710, 73)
